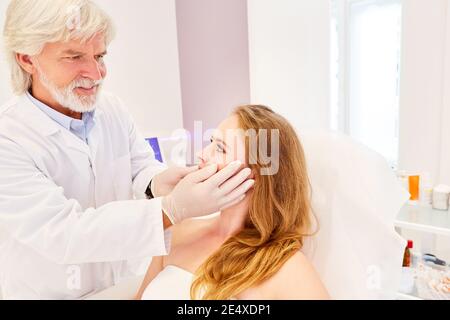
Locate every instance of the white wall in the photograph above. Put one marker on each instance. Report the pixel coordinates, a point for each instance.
(422, 88)
(289, 46)
(213, 51)
(142, 63)
(425, 101)
(444, 171)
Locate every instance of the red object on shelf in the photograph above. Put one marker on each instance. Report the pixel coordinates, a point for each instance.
(407, 255)
(410, 244)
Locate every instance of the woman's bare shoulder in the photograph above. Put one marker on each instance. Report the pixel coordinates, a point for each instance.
(297, 279)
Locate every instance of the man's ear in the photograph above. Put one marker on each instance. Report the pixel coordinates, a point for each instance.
(25, 62)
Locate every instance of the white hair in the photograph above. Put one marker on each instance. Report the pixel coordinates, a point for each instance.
(30, 24)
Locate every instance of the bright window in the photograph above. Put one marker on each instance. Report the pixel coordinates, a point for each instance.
(368, 64)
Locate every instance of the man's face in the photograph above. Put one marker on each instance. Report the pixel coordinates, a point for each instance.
(70, 74)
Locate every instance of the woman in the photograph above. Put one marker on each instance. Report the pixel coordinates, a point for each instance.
(253, 249)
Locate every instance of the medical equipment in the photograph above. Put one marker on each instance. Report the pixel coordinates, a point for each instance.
(428, 257)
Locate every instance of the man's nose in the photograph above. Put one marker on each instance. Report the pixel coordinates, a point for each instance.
(94, 70)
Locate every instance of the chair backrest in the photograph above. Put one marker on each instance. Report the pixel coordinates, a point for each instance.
(355, 198)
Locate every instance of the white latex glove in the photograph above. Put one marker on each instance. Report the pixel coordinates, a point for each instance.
(207, 191)
(164, 182)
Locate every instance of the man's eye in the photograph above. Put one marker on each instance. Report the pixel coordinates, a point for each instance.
(99, 57)
(75, 58)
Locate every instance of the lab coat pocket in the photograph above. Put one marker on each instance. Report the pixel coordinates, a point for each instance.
(121, 171)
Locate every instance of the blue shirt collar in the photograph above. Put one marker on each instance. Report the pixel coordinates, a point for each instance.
(81, 128)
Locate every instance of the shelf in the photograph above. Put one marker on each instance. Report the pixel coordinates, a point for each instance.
(404, 296)
(422, 218)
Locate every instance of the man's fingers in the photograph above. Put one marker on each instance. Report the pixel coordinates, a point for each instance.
(235, 181)
(238, 192)
(232, 203)
(224, 174)
(202, 174)
(184, 171)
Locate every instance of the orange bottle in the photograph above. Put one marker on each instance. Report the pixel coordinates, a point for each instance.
(413, 182)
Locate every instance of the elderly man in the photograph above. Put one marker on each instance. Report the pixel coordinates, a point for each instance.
(81, 194)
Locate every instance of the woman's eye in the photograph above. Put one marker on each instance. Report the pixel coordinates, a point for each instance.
(220, 149)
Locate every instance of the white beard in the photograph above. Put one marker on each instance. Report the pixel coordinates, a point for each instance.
(66, 96)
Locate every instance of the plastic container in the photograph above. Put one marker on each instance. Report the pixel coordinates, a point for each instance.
(441, 194)
(407, 282)
(432, 283)
(403, 179)
(426, 190)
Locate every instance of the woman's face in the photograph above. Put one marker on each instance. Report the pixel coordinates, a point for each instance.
(227, 145)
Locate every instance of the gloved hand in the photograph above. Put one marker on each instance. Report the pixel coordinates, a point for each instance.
(163, 183)
(207, 191)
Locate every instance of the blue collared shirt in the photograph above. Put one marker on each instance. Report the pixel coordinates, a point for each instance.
(80, 128)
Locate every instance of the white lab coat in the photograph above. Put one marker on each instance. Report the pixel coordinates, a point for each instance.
(68, 220)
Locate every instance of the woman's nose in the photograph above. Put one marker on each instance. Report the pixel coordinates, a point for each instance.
(203, 157)
(200, 159)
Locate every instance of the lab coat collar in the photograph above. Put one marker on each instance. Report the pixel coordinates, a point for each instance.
(37, 119)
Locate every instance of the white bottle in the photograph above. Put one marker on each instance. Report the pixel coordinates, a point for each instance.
(426, 190)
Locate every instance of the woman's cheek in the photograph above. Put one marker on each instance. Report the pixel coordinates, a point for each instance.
(220, 160)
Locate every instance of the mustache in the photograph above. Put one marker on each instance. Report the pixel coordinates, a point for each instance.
(85, 83)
